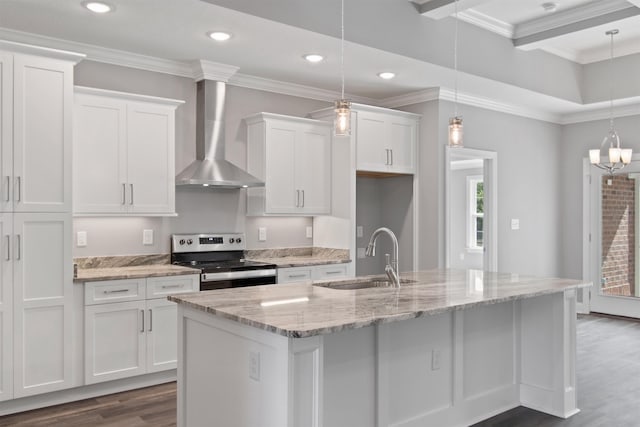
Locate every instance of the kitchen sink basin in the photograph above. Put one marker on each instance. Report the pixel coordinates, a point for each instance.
(365, 284)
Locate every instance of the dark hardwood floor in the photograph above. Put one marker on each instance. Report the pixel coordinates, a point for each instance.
(608, 378)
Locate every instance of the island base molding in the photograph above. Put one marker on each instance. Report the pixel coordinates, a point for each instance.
(453, 368)
(85, 392)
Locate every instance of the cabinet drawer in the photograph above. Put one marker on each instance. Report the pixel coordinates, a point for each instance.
(114, 291)
(160, 287)
(327, 272)
(296, 274)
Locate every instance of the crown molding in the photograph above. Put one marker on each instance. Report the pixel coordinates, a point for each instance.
(601, 112)
(210, 70)
(29, 49)
(426, 95)
(487, 22)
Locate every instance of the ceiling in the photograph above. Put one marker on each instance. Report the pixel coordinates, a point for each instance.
(270, 50)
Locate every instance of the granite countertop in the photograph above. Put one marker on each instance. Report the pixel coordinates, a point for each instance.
(299, 257)
(92, 269)
(306, 310)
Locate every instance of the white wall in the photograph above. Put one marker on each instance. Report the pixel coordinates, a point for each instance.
(199, 210)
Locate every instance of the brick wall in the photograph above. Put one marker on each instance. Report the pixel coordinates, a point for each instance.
(618, 235)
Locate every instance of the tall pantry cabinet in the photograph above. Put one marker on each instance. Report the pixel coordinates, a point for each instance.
(36, 103)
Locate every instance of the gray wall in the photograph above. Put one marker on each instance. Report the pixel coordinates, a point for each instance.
(577, 139)
(198, 209)
(458, 214)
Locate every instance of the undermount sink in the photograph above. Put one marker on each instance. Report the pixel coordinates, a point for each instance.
(352, 285)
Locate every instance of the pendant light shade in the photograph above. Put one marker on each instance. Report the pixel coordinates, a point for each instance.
(455, 132)
(342, 121)
(618, 157)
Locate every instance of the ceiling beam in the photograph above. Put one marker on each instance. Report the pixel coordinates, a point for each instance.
(438, 9)
(572, 20)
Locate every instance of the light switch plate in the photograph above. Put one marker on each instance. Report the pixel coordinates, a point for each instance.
(254, 365)
(309, 232)
(359, 231)
(81, 239)
(262, 234)
(515, 224)
(147, 237)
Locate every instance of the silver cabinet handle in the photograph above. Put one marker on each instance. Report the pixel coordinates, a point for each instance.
(297, 198)
(333, 272)
(142, 315)
(391, 151)
(19, 185)
(124, 193)
(8, 179)
(150, 320)
(303, 198)
(171, 286)
(18, 247)
(386, 162)
(131, 202)
(293, 276)
(115, 291)
(8, 258)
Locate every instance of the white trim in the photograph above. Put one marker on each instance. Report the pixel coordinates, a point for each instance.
(487, 22)
(471, 232)
(425, 95)
(632, 108)
(210, 70)
(41, 51)
(127, 96)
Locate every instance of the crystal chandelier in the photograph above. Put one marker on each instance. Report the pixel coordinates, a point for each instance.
(618, 157)
(455, 122)
(342, 122)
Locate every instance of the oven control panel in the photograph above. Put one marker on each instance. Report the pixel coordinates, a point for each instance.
(207, 242)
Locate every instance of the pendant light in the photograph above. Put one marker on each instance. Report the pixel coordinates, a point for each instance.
(618, 157)
(455, 122)
(342, 122)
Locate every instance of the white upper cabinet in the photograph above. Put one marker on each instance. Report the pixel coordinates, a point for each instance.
(293, 157)
(385, 140)
(35, 131)
(124, 149)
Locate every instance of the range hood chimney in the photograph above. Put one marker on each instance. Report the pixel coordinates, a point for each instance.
(210, 167)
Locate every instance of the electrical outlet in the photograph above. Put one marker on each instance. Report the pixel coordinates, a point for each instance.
(309, 232)
(359, 231)
(262, 234)
(461, 256)
(254, 365)
(436, 356)
(361, 252)
(81, 239)
(147, 237)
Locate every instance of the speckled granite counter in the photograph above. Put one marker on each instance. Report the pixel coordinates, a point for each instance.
(127, 267)
(299, 257)
(303, 310)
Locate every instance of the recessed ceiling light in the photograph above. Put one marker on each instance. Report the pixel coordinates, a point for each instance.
(313, 57)
(219, 36)
(387, 75)
(550, 7)
(98, 7)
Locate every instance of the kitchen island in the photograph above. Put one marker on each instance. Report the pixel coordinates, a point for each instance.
(449, 348)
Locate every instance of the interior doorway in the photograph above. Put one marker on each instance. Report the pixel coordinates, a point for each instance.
(471, 208)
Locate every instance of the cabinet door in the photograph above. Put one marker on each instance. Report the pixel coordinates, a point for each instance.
(6, 312)
(371, 144)
(6, 131)
(43, 298)
(402, 143)
(100, 155)
(114, 341)
(150, 153)
(313, 169)
(162, 335)
(282, 193)
(295, 274)
(43, 101)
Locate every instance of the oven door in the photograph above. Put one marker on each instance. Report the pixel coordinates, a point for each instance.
(237, 279)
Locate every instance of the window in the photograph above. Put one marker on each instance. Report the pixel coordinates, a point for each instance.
(475, 212)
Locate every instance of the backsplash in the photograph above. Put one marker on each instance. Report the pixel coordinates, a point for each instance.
(121, 261)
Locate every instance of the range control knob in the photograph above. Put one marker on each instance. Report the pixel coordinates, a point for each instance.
(182, 241)
(238, 240)
(231, 240)
(189, 242)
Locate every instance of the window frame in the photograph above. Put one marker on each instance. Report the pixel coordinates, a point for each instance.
(472, 214)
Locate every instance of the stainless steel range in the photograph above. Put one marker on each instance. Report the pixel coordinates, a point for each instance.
(219, 256)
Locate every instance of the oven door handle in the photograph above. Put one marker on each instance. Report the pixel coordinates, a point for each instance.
(231, 275)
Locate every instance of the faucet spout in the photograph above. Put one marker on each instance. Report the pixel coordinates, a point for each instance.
(391, 269)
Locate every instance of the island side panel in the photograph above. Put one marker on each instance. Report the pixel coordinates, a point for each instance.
(230, 374)
(548, 360)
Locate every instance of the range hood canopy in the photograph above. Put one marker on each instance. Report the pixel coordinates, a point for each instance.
(211, 169)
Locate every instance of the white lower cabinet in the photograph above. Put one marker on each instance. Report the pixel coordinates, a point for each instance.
(130, 326)
(309, 273)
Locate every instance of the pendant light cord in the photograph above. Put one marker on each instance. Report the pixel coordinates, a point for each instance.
(342, 49)
(455, 61)
(611, 84)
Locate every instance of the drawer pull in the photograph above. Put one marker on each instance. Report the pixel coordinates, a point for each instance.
(115, 291)
(150, 320)
(293, 276)
(334, 272)
(172, 286)
(142, 315)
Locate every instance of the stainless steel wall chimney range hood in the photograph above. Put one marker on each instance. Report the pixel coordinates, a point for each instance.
(210, 167)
